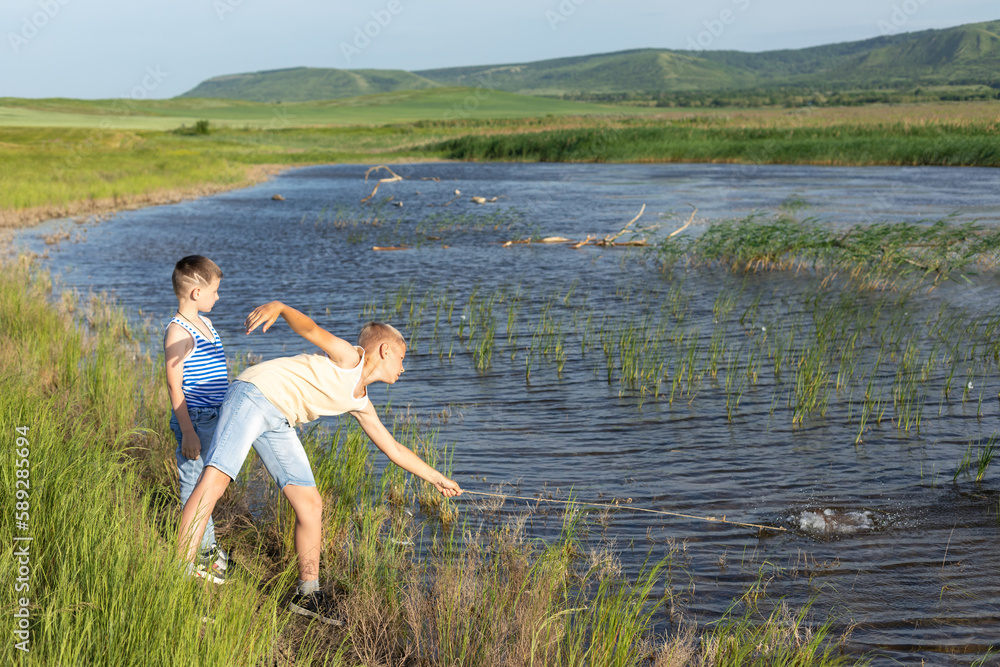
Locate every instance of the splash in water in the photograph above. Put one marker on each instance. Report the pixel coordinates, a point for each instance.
(830, 522)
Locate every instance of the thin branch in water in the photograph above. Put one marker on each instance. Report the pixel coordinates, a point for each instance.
(393, 179)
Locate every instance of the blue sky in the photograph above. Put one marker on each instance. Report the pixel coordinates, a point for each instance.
(87, 49)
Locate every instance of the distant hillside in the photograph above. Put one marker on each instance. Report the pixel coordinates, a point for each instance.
(964, 55)
(645, 69)
(304, 84)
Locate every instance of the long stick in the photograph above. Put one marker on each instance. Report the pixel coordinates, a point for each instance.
(686, 224)
(633, 509)
(392, 179)
(610, 240)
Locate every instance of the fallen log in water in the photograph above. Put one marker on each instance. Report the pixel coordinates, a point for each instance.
(392, 179)
(607, 241)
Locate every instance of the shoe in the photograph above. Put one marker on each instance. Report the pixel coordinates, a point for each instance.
(217, 556)
(212, 564)
(207, 571)
(314, 605)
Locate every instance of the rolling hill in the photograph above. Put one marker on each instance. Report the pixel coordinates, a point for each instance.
(963, 55)
(305, 84)
(968, 54)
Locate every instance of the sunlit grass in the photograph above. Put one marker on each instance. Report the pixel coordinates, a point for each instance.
(104, 585)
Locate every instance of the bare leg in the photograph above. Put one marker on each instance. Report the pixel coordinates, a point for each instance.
(308, 508)
(198, 509)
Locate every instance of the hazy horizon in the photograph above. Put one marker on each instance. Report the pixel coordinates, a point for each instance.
(62, 48)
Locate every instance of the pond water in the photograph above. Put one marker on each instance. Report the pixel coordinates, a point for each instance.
(879, 527)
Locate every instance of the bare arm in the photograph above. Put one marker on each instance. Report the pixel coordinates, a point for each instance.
(340, 351)
(400, 455)
(177, 344)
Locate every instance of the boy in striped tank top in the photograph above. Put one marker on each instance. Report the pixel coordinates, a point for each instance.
(197, 380)
(263, 406)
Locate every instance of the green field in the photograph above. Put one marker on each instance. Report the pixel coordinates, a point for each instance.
(401, 107)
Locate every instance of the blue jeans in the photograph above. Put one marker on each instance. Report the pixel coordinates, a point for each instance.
(205, 421)
(247, 419)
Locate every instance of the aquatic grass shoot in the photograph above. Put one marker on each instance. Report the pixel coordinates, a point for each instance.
(978, 462)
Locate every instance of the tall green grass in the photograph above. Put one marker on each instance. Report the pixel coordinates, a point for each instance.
(889, 144)
(104, 585)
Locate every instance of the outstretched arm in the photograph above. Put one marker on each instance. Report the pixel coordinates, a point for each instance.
(400, 455)
(340, 351)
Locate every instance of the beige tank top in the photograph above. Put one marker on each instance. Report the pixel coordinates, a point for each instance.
(308, 386)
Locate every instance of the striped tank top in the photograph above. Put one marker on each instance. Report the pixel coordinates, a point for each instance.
(205, 376)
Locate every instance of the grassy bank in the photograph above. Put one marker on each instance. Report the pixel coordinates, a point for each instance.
(941, 145)
(101, 586)
(418, 580)
(112, 158)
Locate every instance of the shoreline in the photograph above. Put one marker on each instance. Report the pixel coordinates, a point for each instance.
(12, 219)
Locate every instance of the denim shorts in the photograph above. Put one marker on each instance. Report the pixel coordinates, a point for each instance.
(246, 420)
(204, 421)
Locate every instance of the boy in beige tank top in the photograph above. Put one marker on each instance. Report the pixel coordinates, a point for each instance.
(261, 409)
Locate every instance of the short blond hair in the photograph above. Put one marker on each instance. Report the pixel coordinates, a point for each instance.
(374, 334)
(194, 271)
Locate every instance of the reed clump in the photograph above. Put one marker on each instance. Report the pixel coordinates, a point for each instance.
(877, 256)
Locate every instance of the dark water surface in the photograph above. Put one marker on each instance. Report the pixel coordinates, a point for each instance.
(883, 532)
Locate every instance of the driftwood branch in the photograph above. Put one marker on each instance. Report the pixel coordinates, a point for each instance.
(610, 240)
(686, 224)
(607, 241)
(394, 178)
